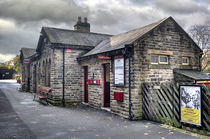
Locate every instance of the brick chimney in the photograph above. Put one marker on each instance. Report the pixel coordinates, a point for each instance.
(82, 26)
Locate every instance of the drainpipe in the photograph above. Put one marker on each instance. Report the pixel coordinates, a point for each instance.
(129, 51)
(63, 97)
(200, 65)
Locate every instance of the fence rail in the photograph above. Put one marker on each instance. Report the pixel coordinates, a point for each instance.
(162, 104)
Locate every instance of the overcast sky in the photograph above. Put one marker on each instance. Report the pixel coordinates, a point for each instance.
(21, 20)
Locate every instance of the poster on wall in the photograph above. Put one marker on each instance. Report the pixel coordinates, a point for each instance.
(119, 70)
(190, 104)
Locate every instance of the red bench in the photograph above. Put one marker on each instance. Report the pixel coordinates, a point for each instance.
(43, 94)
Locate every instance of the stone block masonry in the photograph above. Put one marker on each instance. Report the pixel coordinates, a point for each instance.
(72, 77)
(96, 92)
(166, 40)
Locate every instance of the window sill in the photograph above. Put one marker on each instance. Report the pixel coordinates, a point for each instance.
(160, 66)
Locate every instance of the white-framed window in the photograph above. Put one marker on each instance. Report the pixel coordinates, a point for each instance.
(159, 59)
(163, 59)
(185, 61)
(154, 59)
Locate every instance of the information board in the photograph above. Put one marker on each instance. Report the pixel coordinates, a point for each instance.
(190, 104)
(119, 70)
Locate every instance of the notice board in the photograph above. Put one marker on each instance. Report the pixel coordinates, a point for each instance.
(119, 70)
(190, 104)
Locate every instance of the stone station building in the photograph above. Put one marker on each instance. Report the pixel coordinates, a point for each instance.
(25, 54)
(107, 71)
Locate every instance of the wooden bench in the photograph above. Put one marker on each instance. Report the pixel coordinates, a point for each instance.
(42, 94)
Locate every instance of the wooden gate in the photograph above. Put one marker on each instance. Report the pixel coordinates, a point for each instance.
(161, 104)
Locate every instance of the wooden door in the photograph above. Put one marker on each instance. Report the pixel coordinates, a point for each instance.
(86, 84)
(107, 85)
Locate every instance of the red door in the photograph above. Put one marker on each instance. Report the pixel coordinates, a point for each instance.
(86, 84)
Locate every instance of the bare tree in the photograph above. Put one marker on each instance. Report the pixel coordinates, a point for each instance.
(201, 35)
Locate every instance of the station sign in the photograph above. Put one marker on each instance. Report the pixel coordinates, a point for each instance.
(26, 61)
(68, 50)
(102, 57)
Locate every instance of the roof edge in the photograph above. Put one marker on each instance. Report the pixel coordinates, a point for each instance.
(77, 31)
(161, 21)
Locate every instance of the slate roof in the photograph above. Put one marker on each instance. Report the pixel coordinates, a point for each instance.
(194, 74)
(27, 52)
(119, 41)
(74, 38)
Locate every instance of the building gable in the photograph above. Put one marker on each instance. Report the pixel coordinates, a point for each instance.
(129, 38)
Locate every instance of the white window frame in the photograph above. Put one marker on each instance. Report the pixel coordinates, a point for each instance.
(153, 62)
(159, 59)
(188, 61)
(163, 62)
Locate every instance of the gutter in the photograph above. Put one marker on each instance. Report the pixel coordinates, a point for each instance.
(63, 82)
(129, 53)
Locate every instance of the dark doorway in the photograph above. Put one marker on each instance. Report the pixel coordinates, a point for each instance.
(106, 85)
(29, 86)
(34, 79)
(86, 84)
(28, 79)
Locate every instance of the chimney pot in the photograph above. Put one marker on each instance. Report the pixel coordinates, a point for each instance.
(85, 19)
(82, 26)
(79, 18)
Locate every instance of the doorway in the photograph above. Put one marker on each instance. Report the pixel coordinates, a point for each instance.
(86, 84)
(106, 85)
(34, 79)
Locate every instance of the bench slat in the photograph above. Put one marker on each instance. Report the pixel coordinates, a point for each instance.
(44, 90)
(40, 96)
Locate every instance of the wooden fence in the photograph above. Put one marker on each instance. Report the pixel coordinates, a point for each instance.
(161, 104)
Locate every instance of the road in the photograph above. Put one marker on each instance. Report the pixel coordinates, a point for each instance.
(23, 118)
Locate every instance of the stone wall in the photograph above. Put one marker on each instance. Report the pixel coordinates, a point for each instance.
(96, 71)
(167, 40)
(25, 77)
(73, 75)
(44, 65)
(34, 76)
(31, 78)
(122, 108)
(96, 92)
(40, 69)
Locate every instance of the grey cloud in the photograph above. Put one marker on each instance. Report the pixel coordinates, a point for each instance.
(13, 43)
(120, 20)
(143, 2)
(180, 6)
(30, 15)
(24, 35)
(36, 10)
(27, 18)
(103, 17)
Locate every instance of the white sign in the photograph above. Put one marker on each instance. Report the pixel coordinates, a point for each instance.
(119, 70)
(26, 61)
(190, 98)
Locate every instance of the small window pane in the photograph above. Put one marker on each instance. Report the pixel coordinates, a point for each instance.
(185, 61)
(154, 59)
(163, 59)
